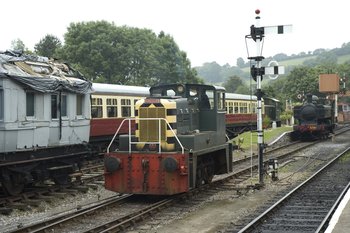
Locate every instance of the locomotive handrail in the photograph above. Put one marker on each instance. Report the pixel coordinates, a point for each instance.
(159, 134)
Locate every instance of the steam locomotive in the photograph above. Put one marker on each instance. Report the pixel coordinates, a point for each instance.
(179, 142)
(314, 120)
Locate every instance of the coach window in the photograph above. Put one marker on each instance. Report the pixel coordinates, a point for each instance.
(134, 107)
(96, 108)
(1, 104)
(30, 104)
(236, 107)
(126, 107)
(230, 107)
(245, 107)
(64, 105)
(112, 107)
(55, 106)
(79, 105)
(221, 99)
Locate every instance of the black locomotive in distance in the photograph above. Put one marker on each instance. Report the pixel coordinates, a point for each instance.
(314, 120)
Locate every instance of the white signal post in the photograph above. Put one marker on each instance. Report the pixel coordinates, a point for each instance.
(257, 33)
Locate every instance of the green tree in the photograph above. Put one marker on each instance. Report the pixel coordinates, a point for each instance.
(243, 89)
(124, 55)
(301, 80)
(240, 62)
(18, 44)
(210, 72)
(232, 83)
(174, 64)
(47, 46)
(94, 49)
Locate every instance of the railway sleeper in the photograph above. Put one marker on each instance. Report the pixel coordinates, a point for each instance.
(61, 174)
(5, 210)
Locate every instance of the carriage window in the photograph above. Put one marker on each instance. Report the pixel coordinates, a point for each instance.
(134, 107)
(54, 103)
(55, 106)
(220, 96)
(96, 108)
(230, 107)
(243, 107)
(126, 107)
(79, 105)
(64, 105)
(253, 107)
(236, 107)
(1, 104)
(30, 104)
(112, 107)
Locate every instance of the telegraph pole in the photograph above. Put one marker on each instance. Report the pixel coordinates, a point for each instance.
(257, 33)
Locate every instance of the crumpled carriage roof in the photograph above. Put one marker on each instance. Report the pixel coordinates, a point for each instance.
(42, 74)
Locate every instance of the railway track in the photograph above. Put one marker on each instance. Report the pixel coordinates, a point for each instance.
(65, 218)
(308, 207)
(249, 164)
(33, 196)
(143, 212)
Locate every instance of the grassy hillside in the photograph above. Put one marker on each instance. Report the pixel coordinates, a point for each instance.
(214, 73)
(343, 59)
(299, 61)
(296, 61)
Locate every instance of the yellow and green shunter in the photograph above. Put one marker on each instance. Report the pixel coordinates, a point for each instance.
(179, 142)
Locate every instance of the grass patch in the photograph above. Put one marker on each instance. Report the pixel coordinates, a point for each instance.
(252, 138)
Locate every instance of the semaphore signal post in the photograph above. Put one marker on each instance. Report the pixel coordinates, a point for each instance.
(257, 33)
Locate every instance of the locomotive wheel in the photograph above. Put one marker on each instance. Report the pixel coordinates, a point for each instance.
(205, 172)
(13, 184)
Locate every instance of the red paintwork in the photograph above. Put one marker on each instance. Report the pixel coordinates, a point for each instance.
(133, 177)
(310, 128)
(108, 126)
(240, 118)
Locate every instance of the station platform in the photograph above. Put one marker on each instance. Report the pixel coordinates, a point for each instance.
(340, 222)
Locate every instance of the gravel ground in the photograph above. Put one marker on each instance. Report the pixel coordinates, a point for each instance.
(217, 212)
(47, 210)
(223, 210)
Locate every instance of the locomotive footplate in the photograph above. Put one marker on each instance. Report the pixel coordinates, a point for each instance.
(147, 173)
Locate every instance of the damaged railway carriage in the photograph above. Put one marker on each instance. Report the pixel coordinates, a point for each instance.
(44, 121)
(179, 142)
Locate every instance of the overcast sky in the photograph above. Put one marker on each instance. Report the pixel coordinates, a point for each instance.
(207, 30)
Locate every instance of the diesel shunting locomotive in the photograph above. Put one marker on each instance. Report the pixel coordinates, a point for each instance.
(179, 142)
